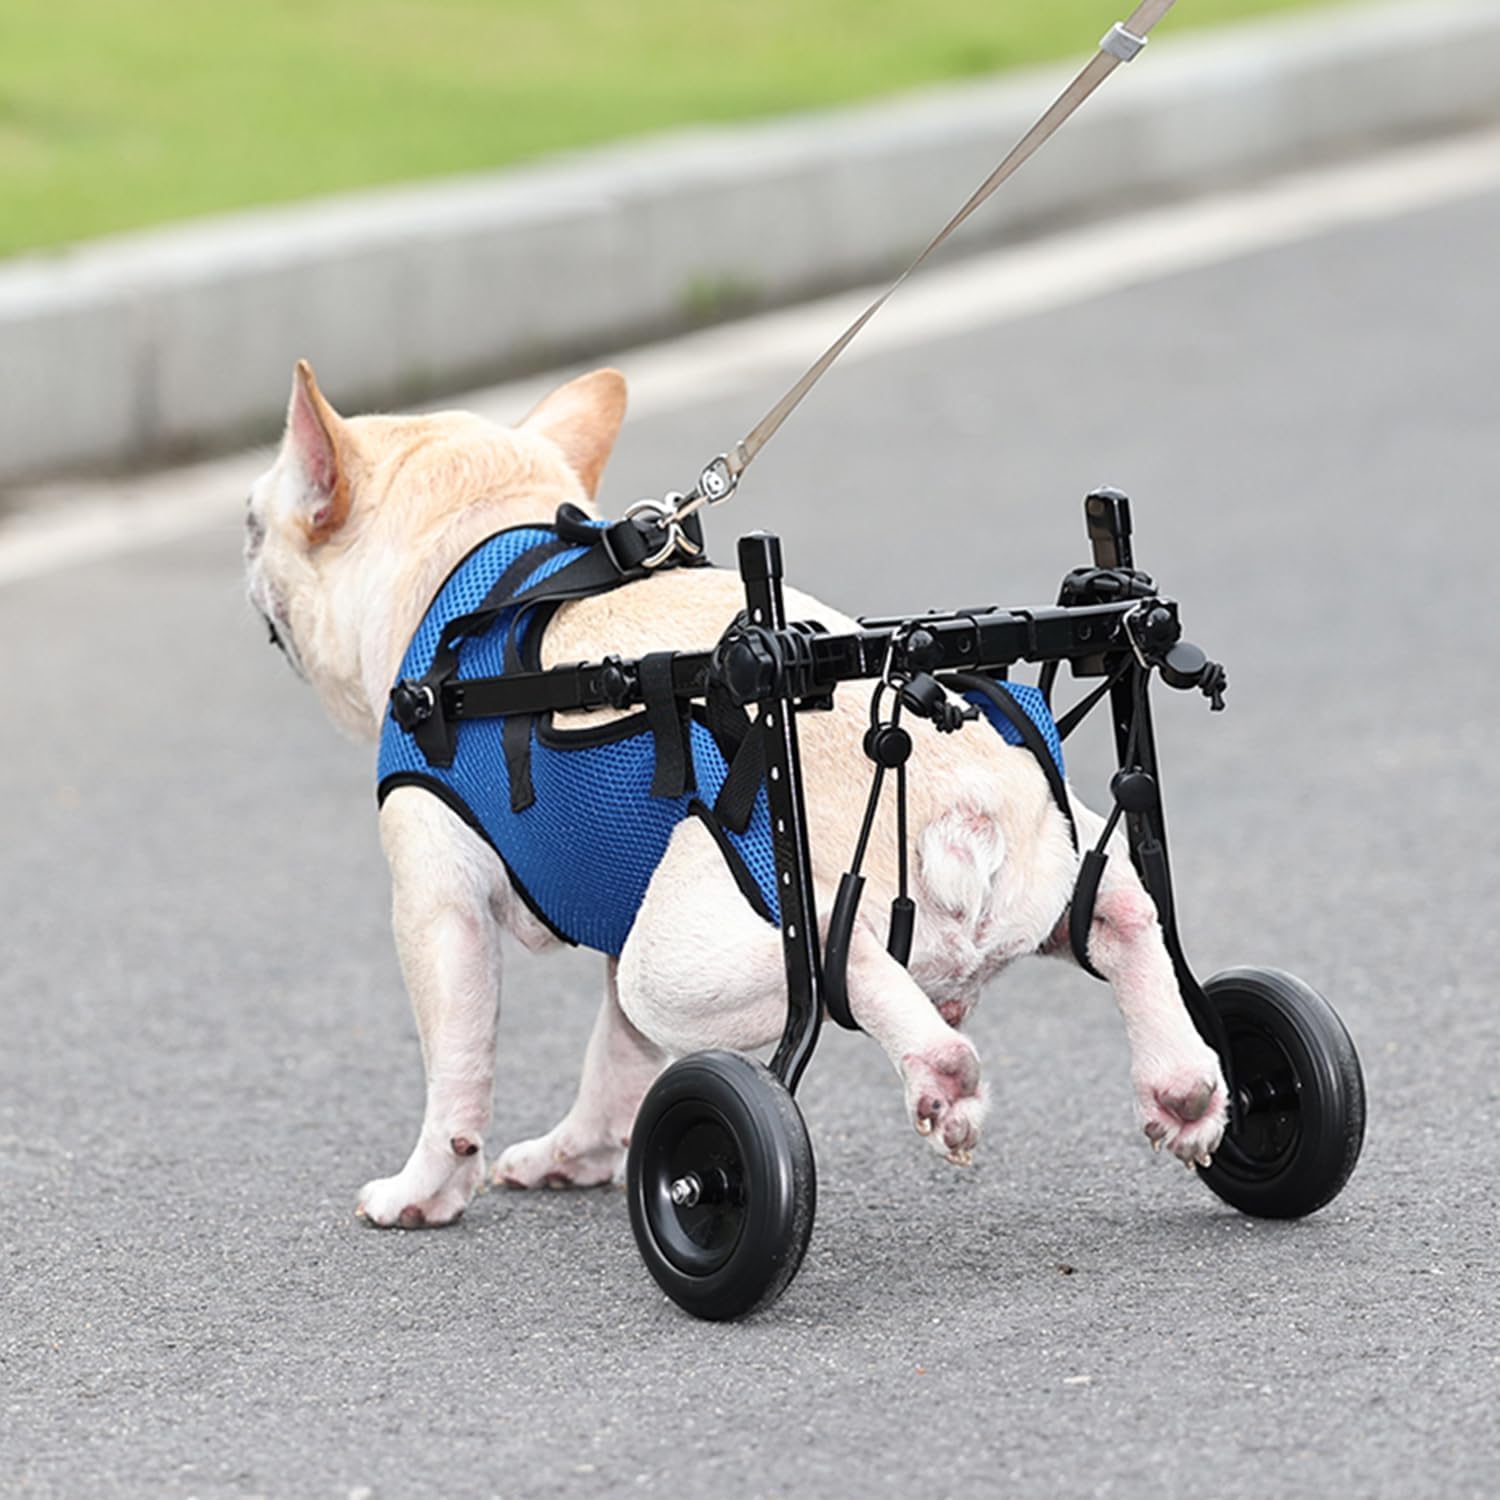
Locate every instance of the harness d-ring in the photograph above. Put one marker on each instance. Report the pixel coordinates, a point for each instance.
(668, 514)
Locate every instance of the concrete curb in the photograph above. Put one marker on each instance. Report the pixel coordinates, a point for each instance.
(161, 344)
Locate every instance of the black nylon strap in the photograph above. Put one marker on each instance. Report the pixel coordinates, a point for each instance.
(615, 555)
(744, 754)
(667, 718)
(557, 690)
(614, 558)
(515, 730)
(630, 542)
(742, 783)
(501, 596)
(727, 720)
(437, 736)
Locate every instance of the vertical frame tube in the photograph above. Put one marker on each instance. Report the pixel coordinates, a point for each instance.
(761, 572)
(1107, 515)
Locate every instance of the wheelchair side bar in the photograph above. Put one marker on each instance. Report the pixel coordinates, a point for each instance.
(761, 571)
(987, 642)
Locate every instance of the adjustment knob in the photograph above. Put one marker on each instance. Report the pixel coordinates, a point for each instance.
(750, 668)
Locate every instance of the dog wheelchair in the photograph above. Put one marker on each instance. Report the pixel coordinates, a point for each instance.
(721, 1177)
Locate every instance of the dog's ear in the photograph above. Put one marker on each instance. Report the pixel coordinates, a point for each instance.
(317, 443)
(583, 418)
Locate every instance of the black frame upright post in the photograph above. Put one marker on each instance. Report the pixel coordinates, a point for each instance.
(761, 572)
(1107, 513)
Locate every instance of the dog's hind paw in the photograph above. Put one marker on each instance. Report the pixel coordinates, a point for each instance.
(555, 1160)
(945, 1098)
(1185, 1112)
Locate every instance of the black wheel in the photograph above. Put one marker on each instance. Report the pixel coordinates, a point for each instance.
(1297, 1119)
(721, 1184)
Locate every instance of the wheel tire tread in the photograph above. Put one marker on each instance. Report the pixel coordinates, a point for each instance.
(1307, 1184)
(775, 1124)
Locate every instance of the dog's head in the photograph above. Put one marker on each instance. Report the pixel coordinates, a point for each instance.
(349, 533)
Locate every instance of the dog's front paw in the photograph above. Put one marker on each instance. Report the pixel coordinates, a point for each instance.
(422, 1198)
(945, 1098)
(1185, 1109)
(557, 1160)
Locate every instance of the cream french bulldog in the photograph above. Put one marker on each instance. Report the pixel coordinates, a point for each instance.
(350, 534)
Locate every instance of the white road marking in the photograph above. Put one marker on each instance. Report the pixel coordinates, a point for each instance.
(66, 524)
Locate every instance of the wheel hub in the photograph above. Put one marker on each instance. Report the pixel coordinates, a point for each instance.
(1268, 1101)
(697, 1196)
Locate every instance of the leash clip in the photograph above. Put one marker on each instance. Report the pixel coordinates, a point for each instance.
(716, 483)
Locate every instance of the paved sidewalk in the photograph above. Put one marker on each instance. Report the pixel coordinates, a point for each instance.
(205, 1046)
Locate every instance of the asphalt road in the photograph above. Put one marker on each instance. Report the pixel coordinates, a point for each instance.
(206, 1047)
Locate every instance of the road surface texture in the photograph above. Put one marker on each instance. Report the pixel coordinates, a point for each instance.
(206, 1048)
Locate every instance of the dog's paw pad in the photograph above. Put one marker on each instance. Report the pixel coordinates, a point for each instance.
(944, 1097)
(423, 1197)
(551, 1162)
(1191, 1103)
(1185, 1113)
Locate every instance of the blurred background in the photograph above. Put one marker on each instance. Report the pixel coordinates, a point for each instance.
(120, 117)
(423, 195)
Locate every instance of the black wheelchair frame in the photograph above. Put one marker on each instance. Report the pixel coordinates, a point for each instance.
(721, 1179)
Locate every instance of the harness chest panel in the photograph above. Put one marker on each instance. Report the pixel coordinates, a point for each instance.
(583, 847)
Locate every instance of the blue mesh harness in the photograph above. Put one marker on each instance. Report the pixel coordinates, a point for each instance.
(581, 818)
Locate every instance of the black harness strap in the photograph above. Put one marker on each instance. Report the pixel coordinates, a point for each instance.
(744, 754)
(735, 803)
(515, 729)
(430, 708)
(436, 735)
(666, 715)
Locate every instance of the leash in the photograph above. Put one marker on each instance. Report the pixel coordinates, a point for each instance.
(720, 478)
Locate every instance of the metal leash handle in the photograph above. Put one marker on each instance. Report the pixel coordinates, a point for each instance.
(1121, 43)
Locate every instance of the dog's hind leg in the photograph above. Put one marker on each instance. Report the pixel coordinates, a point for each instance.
(701, 969)
(587, 1147)
(444, 898)
(945, 1098)
(1181, 1099)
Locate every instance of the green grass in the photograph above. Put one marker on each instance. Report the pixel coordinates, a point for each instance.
(121, 113)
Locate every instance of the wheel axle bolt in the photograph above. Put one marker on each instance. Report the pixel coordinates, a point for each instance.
(686, 1191)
